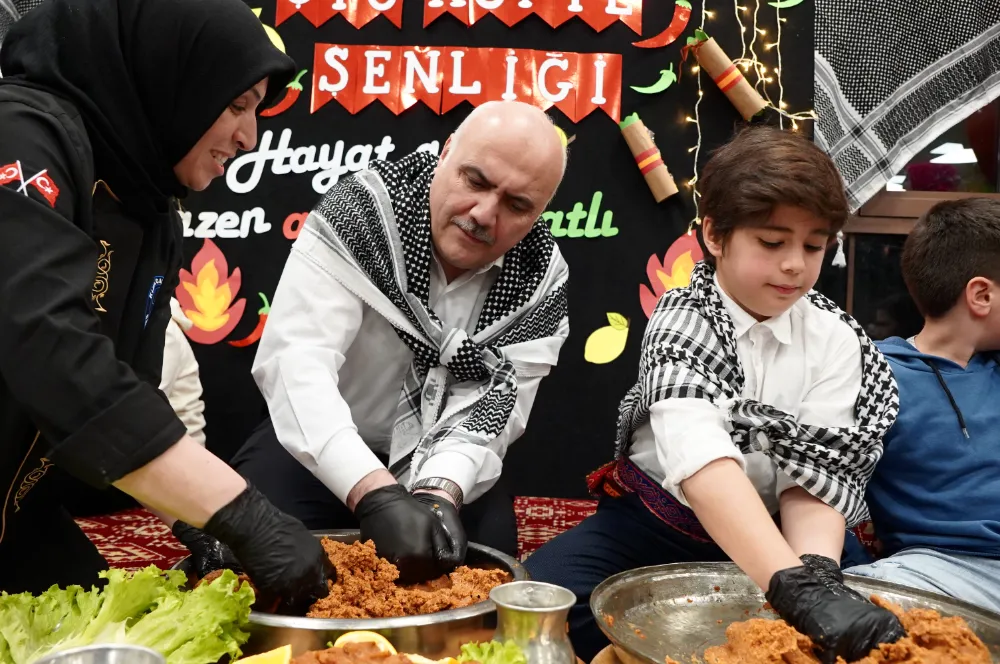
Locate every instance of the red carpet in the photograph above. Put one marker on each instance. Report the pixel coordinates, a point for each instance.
(133, 539)
(541, 519)
(136, 538)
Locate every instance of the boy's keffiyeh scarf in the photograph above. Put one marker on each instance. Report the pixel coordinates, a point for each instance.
(689, 351)
(378, 222)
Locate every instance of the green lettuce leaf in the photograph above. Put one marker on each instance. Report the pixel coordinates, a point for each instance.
(126, 597)
(200, 626)
(492, 652)
(33, 625)
(147, 608)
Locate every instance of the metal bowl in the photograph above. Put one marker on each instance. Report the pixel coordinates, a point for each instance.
(433, 635)
(679, 610)
(118, 653)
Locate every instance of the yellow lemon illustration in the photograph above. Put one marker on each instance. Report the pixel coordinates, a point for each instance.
(271, 33)
(605, 344)
(365, 637)
(562, 137)
(280, 655)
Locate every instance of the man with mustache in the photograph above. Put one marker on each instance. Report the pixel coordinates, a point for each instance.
(421, 305)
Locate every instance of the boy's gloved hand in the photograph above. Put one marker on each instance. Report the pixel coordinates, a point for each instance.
(829, 573)
(838, 623)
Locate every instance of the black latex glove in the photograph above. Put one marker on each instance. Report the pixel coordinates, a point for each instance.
(207, 553)
(838, 623)
(284, 561)
(407, 534)
(829, 573)
(458, 544)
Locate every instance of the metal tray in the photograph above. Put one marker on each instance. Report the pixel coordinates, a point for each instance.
(434, 635)
(679, 610)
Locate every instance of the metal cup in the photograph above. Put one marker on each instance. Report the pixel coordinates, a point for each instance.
(533, 615)
(110, 653)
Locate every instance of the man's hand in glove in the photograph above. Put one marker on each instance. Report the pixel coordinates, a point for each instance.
(283, 560)
(207, 553)
(410, 534)
(457, 542)
(838, 623)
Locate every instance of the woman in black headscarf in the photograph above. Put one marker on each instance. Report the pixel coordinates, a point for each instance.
(109, 110)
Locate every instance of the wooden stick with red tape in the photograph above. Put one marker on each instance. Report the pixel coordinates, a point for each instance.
(648, 158)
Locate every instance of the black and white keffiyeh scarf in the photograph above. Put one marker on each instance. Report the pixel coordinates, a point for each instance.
(377, 224)
(13, 10)
(892, 75)
(689, 351)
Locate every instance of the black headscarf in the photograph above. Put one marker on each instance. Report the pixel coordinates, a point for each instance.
(149, 78)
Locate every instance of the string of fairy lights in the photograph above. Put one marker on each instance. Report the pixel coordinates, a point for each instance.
(755, 70)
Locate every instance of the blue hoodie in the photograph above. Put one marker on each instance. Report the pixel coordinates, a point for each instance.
(938, 483)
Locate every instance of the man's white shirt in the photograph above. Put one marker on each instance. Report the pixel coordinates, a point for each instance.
(805, 362)
(331, 369)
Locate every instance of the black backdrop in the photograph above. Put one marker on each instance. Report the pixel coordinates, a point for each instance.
(571, 429)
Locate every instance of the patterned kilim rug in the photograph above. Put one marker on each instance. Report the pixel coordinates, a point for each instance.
(135, 538)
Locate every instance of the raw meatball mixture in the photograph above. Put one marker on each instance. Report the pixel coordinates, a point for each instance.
(930, 639)
(366, 586)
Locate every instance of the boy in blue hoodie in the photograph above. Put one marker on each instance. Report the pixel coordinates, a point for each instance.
(935, 495)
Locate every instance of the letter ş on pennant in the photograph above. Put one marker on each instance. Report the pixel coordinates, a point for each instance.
(444, 77)
(334, 78)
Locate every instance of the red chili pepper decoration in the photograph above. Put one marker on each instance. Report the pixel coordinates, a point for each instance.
(682, 14)
(292, 91)
(254, 336)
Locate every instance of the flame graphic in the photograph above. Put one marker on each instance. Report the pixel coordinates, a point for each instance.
(207, 292)
(681, 257)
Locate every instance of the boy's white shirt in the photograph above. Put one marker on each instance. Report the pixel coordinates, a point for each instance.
(805, 362)
(180, 379)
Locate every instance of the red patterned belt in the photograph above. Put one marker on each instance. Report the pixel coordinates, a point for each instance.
(619, 477)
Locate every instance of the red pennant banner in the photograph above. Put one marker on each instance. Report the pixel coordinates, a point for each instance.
(334, 76)
(361, 12)
(598, 14)
(518, 82)
(422, 77)
(444, 77)
(380, 66)
(558, 81)
(435, 8)
(510, 12)
(357, 12)
(558, 12)
(464, 72)
(600, 85)
(285, 9)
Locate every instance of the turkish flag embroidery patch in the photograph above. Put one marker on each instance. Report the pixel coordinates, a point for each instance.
(41, 181)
